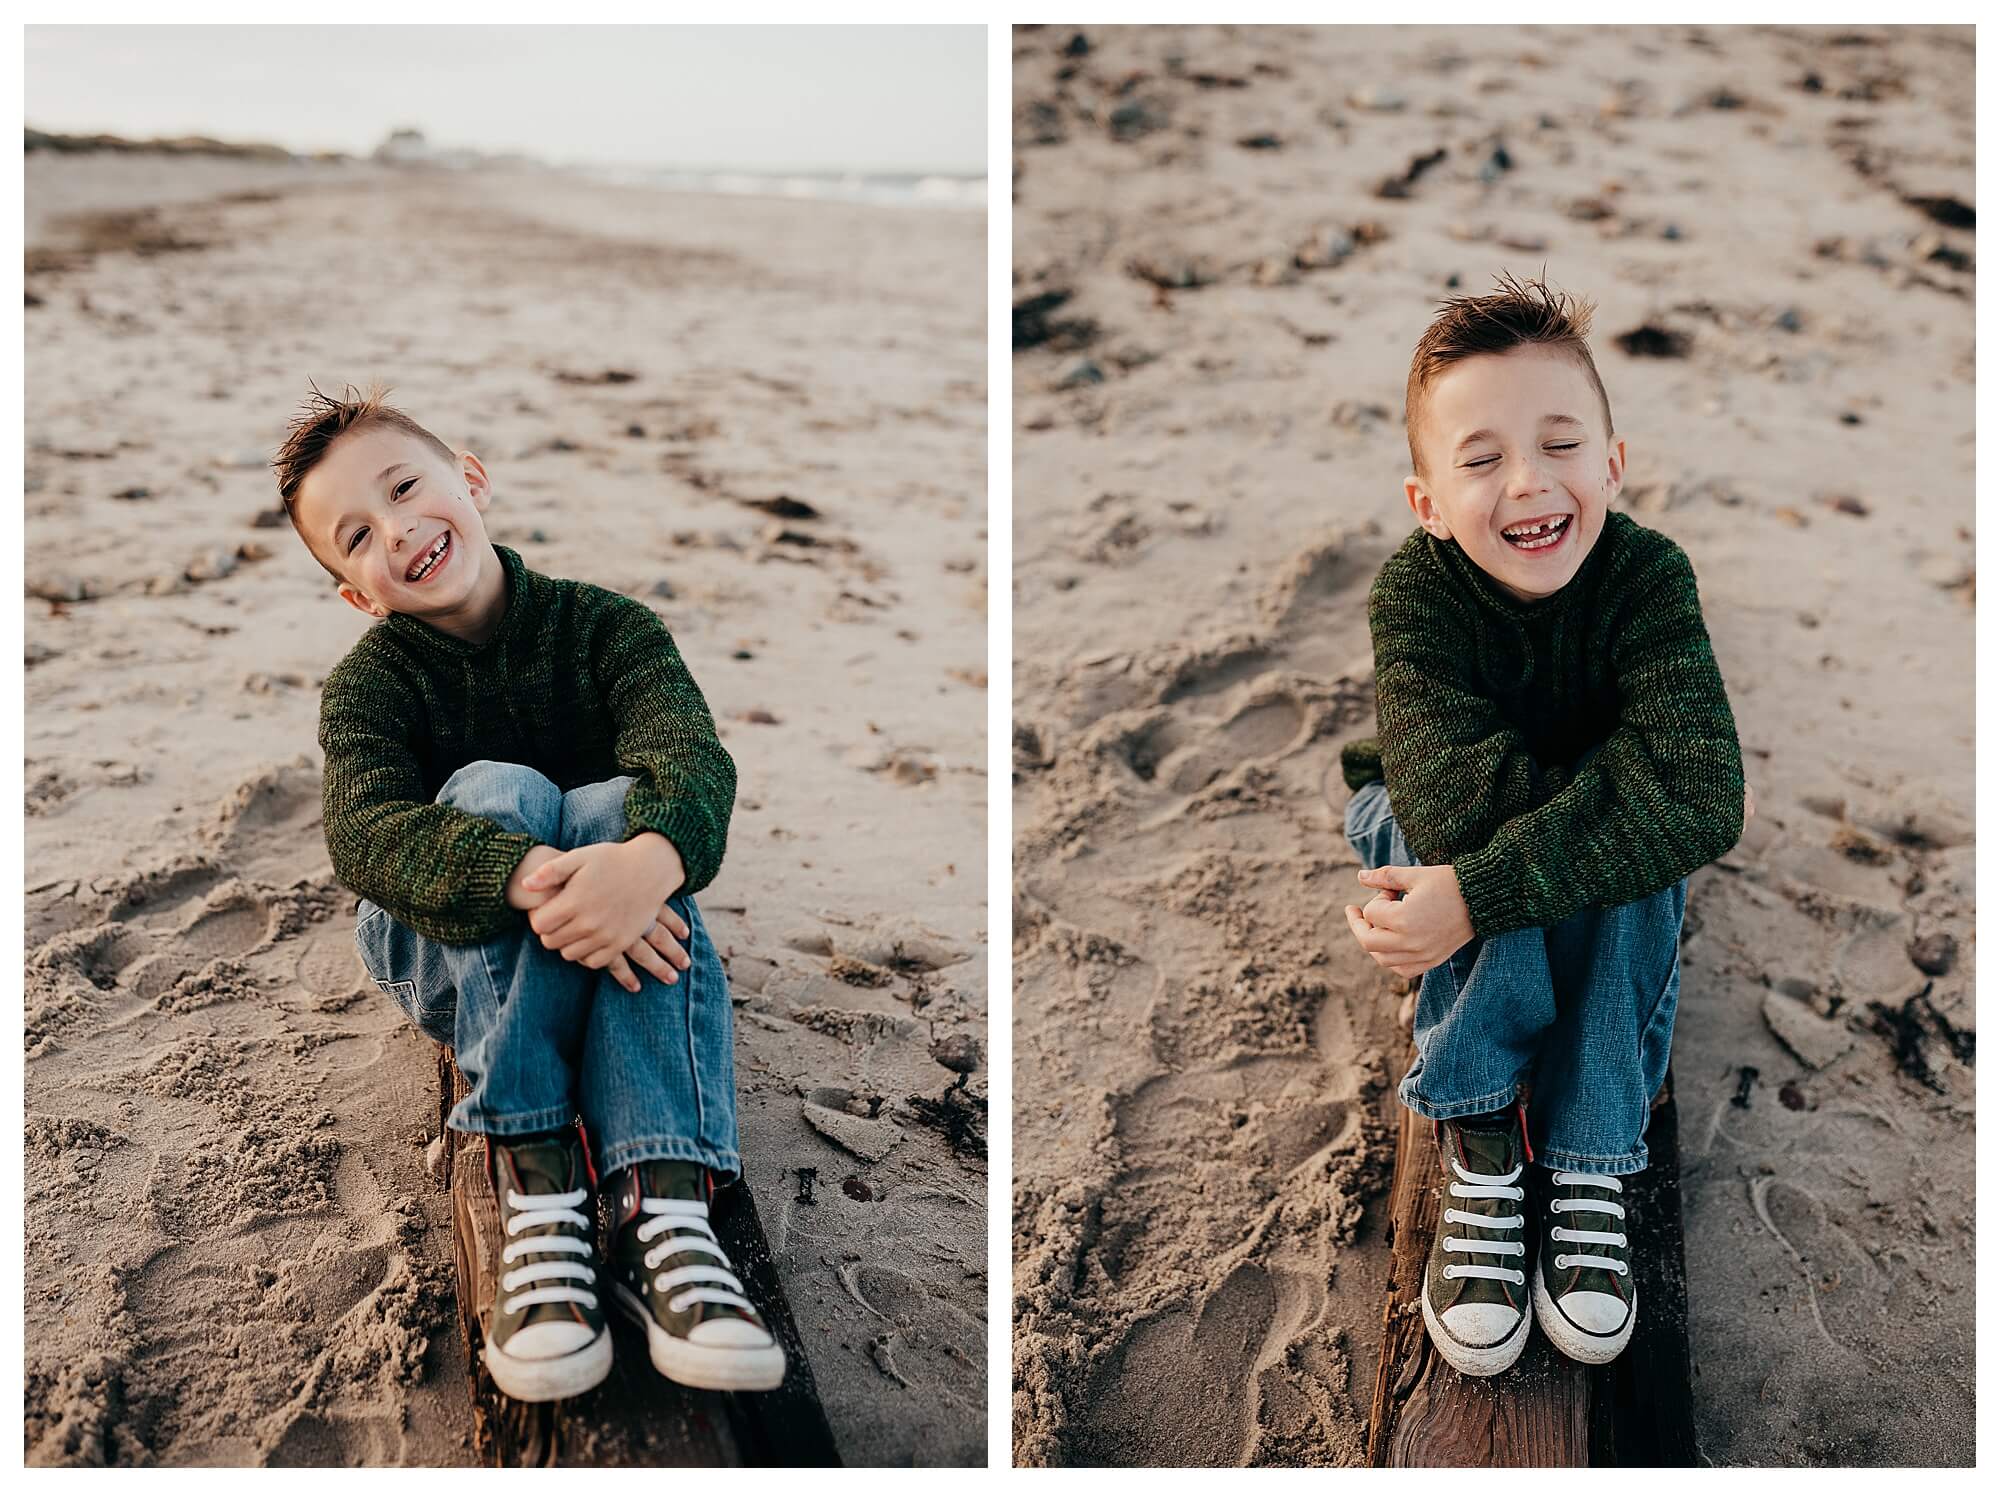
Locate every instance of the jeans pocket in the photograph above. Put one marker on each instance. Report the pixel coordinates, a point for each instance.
(375, 936)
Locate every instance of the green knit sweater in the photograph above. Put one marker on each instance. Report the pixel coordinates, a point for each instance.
(580, 683)
(1484, 704)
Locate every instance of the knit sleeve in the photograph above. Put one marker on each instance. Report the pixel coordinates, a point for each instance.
(1454, 768)
(666, 738)
(1662, 797)
(436, 869)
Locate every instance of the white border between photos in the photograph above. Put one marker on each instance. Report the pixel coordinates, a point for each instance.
(999, 746)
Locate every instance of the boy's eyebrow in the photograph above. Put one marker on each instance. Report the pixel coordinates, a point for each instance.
(1548, 419)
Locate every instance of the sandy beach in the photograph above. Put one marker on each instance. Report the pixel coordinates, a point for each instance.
(765, 419)
(1227, 242)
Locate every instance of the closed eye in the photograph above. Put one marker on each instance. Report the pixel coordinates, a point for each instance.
(1485, 461)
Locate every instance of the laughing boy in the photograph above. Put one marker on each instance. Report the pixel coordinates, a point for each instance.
(1555, 755)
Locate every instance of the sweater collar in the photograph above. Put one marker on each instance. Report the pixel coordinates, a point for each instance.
(524, 588)
(1456, 563)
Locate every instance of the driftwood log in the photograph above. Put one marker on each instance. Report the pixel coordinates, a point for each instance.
(1545, 1410)
(635, 1417)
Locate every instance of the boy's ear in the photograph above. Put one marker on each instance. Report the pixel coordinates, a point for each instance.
(1614, 471)
(361, 602)
(478, 486)
(1428, 514)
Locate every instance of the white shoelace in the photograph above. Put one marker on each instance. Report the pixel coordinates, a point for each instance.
(1578, 1235)
(538, 1212)
(690, 1234)
(1478, 1185)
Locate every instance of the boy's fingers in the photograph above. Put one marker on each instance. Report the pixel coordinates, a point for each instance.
(669, 947)
(551, 916)
(574, 942)
(1384, 912)
(1370, 938)
(551, 873)
(559, 938)
(671, 927)
(647, 957)
(622, 972)
(659, 942)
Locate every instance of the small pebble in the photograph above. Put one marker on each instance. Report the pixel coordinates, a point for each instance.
(1935, 953)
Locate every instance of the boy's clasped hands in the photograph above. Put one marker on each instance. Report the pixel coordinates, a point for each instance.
(604, 906)
(1417, 922)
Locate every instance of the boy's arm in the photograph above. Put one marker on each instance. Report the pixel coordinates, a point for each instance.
(1661, 798)
(438, 870)
(666, 738)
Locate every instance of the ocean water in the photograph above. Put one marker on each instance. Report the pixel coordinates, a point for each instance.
(882, 189)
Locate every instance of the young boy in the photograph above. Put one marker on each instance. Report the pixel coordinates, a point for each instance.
(1555, 754)
(524, 786)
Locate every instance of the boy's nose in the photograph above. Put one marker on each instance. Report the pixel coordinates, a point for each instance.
(1526, 478)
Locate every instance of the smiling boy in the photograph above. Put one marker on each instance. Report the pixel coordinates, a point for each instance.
(524, 785)
(1555, 754)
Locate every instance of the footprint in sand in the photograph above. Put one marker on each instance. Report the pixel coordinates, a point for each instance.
(1183, 752)
(232, 922)
(272, 815)
(329, 970)
(142, 956)
(155, 897)
(924, 1343)
(1317, 577)
(1174, 1392)
(1848, 1292)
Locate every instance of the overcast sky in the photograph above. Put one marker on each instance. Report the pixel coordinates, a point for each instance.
(895, 98)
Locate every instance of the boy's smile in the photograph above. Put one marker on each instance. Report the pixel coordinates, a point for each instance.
(403, 529)
(1519, 467)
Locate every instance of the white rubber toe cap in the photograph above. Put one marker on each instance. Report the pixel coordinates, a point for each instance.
(728, 1331)
(1480, 1325)
(1595, 1311)
(547, 1339)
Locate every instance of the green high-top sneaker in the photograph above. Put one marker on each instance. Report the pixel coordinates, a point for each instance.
(670, 1274)
(547, 1338)
(1476, 1298)
(1585, 1297)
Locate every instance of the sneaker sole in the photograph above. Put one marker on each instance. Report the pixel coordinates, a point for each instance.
(538, 1380)
(1571, 1340)
(1475, 1362)
(730, 1369)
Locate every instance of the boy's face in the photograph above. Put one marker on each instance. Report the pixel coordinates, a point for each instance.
(376, 507)
(1508, 439)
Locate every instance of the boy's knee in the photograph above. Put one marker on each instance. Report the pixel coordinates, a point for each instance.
(1364, 809)
(519, 799)
(595, 812)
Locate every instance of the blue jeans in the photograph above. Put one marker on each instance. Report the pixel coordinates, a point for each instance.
(1585, 1008)
(541, 1039)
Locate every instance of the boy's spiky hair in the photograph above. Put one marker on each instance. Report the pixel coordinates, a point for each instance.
(1519, 313)
(323, 419)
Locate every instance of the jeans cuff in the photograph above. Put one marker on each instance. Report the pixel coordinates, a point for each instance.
(502, 1126)
(1458, 1109)
(1593, 1165)
(631, 1152)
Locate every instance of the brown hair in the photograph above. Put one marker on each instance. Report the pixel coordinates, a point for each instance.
(323, 419)
(1519, 313)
